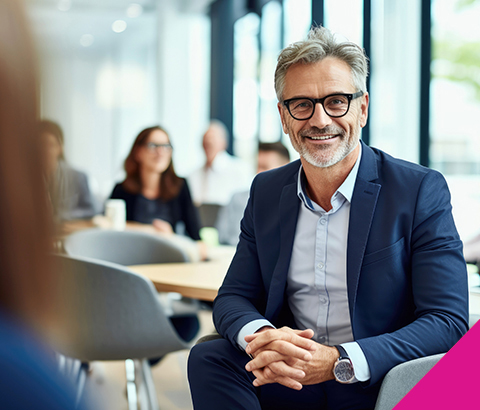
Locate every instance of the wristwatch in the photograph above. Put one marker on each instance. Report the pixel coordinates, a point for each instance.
(343, 368)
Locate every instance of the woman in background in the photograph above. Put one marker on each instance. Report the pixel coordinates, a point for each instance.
(152, 192)
(28, 379)
(68, 188)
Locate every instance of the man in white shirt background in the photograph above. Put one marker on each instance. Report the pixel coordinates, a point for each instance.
(214, 183)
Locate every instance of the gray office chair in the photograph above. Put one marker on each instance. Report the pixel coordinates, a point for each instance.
(209, 214)
(104, 311)
(123, 247)
(136, 248)
(472, 319)
(401, 379)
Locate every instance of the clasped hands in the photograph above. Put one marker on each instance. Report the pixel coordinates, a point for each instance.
(289, 357)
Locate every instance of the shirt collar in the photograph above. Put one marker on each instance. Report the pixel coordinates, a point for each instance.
(346, 189)
(220, 161)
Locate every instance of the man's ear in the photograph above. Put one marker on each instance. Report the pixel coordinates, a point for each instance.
(282, 111)
(364, 108)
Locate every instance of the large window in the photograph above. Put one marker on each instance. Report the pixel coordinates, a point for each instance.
(395, 79)
(270, 40)
(245, 85)
(455, 106)
(349, 25)
(258, 39)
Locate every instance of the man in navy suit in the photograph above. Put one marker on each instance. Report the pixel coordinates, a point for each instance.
(349, 261)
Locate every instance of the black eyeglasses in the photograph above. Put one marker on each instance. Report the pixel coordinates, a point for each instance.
(151, 146)
(334, 105)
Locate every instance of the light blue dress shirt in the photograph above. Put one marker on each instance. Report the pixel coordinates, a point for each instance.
(317, 276)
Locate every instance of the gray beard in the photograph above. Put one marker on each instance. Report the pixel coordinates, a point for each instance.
(316, 158)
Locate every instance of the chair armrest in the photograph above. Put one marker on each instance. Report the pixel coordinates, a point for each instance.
(207, 338)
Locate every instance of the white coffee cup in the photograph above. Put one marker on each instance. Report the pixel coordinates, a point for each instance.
(115, 212)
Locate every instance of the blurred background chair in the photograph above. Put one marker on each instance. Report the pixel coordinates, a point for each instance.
(209, 214)
(103, 311)
(124, 247)
(139, 248)
(402, 378)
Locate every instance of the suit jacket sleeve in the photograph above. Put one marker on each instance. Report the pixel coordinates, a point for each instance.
(433, 285)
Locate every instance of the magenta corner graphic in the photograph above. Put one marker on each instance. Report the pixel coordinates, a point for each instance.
(453, 383)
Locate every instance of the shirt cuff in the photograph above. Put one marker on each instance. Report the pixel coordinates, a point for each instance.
(359, 361)
(250, 329)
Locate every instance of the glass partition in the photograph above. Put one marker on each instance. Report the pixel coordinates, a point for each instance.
(455, 106)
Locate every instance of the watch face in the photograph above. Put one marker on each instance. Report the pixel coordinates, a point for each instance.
(344, 371)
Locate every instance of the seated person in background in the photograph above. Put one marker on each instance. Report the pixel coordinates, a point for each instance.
(270, 155)
(349, 262)
(68, 188)
(152, 191)
(222, 174)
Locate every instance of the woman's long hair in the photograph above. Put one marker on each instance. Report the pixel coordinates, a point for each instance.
(170, 183)
(26, 281)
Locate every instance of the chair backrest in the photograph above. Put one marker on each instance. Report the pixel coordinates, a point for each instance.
(401, 379)
(123, 247)
(209, 214)
(104, 311)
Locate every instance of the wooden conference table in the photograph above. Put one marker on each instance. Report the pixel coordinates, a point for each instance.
(197, 280)
(201, 280)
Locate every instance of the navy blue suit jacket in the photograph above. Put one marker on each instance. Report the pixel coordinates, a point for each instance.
(406, 275)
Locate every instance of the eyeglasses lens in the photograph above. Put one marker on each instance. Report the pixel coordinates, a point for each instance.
(334, 105)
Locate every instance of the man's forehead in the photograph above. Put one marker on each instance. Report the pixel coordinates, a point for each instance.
(331, 73)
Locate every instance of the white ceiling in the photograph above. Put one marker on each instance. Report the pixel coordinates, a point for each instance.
(58, 25)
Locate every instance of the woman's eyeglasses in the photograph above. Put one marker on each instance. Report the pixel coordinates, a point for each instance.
(152, 147)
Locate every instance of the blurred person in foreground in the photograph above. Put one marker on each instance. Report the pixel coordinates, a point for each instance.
(349, 262)
(29, 378)
(68, 188)
(270, 155)
(222, 174)
(154, 195)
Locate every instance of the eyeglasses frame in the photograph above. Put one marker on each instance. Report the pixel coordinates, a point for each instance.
(316, 101)
(163, 147)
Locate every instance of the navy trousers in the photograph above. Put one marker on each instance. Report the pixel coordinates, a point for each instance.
(218, 380)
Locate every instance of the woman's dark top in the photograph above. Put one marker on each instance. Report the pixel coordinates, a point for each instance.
(178, 209)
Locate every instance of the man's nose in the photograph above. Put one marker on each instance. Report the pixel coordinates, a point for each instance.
(320, 118)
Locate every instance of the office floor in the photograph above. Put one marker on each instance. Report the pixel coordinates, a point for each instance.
(107, 383)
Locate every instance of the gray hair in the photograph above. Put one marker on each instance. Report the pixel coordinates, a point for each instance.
(321, 43)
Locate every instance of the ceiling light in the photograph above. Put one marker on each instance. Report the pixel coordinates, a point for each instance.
(119, 25)
(134, 10)
(87, 40)
(64, 5)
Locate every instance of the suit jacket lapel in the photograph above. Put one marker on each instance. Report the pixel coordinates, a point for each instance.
(364, 200)
(289, 207)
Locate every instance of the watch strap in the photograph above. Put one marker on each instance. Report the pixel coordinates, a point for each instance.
(342, 351)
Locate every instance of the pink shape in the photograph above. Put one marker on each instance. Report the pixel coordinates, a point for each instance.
(453, 382)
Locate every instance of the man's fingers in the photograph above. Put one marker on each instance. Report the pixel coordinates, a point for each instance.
(308, 333)
(284, 370)
(266, 376)
(277, 351)
(278, 363)
(285, 334)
